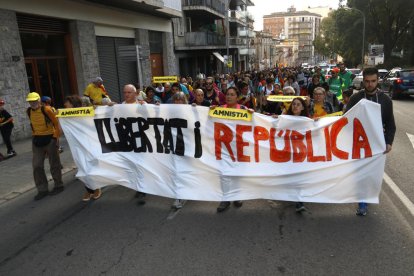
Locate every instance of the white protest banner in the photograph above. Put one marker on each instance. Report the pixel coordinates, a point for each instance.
(178, 151)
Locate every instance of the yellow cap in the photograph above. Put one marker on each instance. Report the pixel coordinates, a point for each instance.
(32, 96)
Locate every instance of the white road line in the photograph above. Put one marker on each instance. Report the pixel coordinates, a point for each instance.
(411, 137)
(404, 199)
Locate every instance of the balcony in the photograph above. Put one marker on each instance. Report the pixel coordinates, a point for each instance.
(237, 17)
(213, 9)
(237, 41)
(162, 8)
(200, 41)
(247, 51)
(247, 33)
(300, 26)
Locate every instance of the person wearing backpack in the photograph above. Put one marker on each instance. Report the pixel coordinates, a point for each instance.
(45, 133)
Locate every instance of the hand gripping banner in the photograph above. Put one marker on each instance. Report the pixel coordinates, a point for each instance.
(179, 151)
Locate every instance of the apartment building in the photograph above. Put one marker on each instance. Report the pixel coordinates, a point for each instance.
(57, 47)
(200, 36)
(265, 50)
(299, 28)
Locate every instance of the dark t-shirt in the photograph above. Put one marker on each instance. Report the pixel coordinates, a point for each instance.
(387, 113)
(4, 116)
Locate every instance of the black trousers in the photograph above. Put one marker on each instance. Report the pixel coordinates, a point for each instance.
(6, 133)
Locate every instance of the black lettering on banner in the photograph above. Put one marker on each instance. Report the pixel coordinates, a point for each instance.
(145, 142)
(168, 139)
(124, 129)
(198, 152)
(106, 147)
(157, 122)
(128, 137)
(178, 124)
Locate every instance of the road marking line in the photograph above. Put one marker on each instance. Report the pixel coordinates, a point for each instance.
(411, 137)
(404, 199)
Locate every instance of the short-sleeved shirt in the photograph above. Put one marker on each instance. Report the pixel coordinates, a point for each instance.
(4, 116)
(96, 94)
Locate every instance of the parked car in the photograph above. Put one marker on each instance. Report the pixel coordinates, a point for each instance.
(399, 82)
(357, 82)
(382, 73)
(354, 71)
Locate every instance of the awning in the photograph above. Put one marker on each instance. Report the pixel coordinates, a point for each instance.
(220, 57)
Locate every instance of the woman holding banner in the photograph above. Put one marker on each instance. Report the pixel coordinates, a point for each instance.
(178, 98)
(232, 94)
(72, 102)
(298, 107)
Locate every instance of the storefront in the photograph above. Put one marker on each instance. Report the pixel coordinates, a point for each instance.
(48, 56)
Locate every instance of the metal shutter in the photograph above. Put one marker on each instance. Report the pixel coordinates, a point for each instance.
(127, 70)
(40, 24)
(108, 66)
(114, 71)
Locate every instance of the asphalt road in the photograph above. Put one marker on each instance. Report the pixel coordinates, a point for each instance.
(400, 161)
(60, 235)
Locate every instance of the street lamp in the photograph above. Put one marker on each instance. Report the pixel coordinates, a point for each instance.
(363, 32)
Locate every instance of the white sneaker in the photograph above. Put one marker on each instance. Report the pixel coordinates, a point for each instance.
(177, 204)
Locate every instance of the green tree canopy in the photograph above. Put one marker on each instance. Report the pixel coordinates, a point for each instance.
(388, 22)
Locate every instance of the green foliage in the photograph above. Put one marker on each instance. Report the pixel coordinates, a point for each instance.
(388, 22)
(341, 33)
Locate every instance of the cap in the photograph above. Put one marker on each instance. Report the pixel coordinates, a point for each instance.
(335, 70)
(45, 99)
(2, 102)
(32, 96)
(98, 79)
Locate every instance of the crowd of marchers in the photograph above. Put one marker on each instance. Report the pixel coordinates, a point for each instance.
(316, 97)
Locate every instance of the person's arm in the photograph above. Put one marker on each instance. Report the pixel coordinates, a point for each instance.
(389, 123)
(9, 118)
(55, 122)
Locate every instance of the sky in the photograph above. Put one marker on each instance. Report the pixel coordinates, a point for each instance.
(264, 7)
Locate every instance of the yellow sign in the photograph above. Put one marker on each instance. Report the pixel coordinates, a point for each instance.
(339, 113)
(230, 61)
(281, 98)
(230, 114)
(164, 79)
(76, 112)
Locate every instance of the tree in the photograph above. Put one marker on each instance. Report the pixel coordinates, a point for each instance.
(341, 33)
(388, 22)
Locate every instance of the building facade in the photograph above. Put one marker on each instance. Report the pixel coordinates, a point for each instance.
(299, 28)
(57, 47)
(209, 31)
(265, 50)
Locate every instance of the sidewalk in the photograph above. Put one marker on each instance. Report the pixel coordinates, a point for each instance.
(16, 174)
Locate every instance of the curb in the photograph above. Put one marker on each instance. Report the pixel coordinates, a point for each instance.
(31, 186)
(399, 199)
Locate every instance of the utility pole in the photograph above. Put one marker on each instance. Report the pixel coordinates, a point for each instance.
(247, 38)
(227, 4)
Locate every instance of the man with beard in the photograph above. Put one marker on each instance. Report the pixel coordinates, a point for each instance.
(373, 93)
(215, 97)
